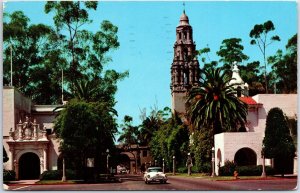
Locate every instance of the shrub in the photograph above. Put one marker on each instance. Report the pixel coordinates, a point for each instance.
(205, 168)
(254, 170)
(9, 175)
(51, 175)
(247, 171)
(228, 168)
(57, 175)
(182, 170)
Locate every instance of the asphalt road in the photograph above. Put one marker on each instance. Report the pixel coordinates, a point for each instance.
(130, 182)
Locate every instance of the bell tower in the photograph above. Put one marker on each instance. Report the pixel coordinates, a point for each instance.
(185, 67)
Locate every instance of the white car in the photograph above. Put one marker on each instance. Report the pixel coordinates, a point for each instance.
(155, 174)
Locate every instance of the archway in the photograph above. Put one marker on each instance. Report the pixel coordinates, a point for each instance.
(245, 157)
(29, 167)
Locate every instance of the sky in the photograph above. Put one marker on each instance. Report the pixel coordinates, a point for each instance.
(147, 36)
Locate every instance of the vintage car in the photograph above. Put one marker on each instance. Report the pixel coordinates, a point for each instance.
(155, 174)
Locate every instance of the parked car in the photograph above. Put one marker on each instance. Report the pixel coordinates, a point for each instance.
(155, 174)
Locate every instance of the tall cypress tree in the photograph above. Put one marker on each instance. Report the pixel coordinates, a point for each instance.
(278, 143)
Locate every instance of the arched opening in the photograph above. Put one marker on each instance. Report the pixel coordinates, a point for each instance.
(29, 167)
(124, 161)
(245, 157)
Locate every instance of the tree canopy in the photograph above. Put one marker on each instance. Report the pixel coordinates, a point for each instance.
(215, 104)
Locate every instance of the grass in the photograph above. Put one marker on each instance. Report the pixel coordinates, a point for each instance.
(225, 178)
(57, 182)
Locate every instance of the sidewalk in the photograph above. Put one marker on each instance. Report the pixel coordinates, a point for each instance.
(20, 182)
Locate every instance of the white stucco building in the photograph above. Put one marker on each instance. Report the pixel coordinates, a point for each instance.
(30, 146)
(246, 147)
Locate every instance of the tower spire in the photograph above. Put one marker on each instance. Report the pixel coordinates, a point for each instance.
(183, 6)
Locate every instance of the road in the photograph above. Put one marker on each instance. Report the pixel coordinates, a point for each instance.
(131, 182)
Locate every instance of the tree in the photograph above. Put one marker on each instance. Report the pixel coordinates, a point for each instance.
(214, 104)
(284, 67)
(85, 130)
(208, 64)
(171, 139)
(85, 51)
(129, 133)
(250, 75)
(36, 62)
(278, 142)
(259, 35)
(203, 141)
(231, 51)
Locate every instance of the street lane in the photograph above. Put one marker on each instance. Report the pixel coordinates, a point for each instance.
(135, 182)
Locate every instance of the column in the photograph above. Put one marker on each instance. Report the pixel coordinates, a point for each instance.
(19, 126)
(35, 137)
(11, 158)
(45, 158)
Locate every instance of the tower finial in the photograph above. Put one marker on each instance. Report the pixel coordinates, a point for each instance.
(183, 7)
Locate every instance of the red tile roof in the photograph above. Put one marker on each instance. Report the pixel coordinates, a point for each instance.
(248, 100)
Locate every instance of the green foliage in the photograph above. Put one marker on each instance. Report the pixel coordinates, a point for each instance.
(129, 133)
(231, 51)
(9, 175)
(228, 168)
(277, 141)
(184, 169)
(214, 104)
(259, 35)
(85, 130)
(171, 139)
(34, 58)
(201, 148)
(57, 175)
(284, 68)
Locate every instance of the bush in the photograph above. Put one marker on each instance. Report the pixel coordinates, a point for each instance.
(228, 168)
(246, 171)
(9, 175)
(205, 168)
(254, 170)
(57, 175)
(184, 169)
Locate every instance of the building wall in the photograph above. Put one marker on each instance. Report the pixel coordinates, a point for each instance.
(178, 102)
(227, 144)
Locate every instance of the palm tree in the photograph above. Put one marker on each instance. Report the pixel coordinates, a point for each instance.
(214, 104)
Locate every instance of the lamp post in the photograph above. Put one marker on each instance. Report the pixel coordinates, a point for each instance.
(263, 175)
(189, 164)
(163, 165)
(64, 171)
(213, 174)
(107, 161)
(174, 165)
(155, 162)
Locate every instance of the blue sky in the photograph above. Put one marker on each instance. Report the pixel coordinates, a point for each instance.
(147, 35)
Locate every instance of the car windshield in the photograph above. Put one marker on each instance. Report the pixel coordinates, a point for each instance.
(154, 170)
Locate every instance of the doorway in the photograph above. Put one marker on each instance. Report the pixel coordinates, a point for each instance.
(29, 167)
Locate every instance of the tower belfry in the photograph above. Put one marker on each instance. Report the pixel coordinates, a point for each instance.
(185, 67)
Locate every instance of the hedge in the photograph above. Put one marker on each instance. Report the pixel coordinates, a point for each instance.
(246, 170)
(57, 175)
(9, 175)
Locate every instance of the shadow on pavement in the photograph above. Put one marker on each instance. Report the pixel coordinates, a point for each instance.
(130, 177)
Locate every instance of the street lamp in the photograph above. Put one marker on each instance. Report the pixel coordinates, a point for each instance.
(155, 162)
(107, 160)
(213, 174)
(263, 175)
(64, 171)
(163, 165)
(174, 165)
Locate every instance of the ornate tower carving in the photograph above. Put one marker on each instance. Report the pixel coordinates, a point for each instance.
(185, 67)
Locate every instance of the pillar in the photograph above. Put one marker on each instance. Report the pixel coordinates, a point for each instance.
(45, 158)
